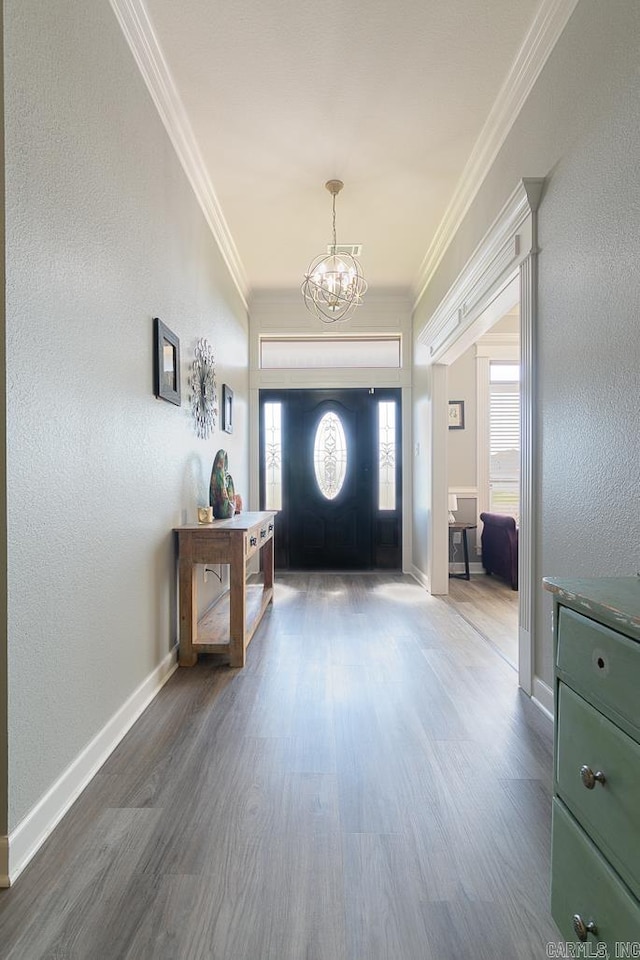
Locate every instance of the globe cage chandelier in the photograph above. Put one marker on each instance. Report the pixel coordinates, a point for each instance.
(334, 285)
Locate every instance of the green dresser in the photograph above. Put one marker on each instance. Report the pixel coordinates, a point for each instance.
(595, 854)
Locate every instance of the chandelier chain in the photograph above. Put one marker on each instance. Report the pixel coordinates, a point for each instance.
(334, 223)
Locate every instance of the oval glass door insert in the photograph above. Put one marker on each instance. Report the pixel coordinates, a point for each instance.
(330, 455)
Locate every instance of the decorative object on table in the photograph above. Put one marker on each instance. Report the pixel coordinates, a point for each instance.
(453, 505)
(456, 414)
(204, 395)
(166, 363)
(238, 500)
(227, 408)
(334, 285)
(205, 514)
(221, 491)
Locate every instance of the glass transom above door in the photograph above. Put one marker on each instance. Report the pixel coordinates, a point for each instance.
(330, 455)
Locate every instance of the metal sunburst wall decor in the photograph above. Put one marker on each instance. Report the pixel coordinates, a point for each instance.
(204, 395)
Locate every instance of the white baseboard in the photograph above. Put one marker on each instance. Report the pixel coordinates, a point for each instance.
(543, 697)
(421, 577)
(459, 567)
(30, 834)
(4, 862)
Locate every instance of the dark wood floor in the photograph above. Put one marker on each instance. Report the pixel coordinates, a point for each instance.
(372, 786)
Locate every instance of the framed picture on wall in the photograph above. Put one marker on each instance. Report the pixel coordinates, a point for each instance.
(456, 414)
(166, 363)
(227, 408)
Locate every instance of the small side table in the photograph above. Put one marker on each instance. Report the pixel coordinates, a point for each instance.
(463, 528)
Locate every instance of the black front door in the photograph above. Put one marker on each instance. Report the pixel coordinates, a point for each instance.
(329, 470)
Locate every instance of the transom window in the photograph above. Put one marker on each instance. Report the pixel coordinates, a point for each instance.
(289, 353)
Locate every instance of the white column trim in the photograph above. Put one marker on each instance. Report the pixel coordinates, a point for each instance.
(407, 477)
(526, 534)
(482, 448)
(438, 532)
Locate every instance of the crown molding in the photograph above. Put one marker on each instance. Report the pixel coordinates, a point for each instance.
(509, 240)
(549, 22)
(139, 33)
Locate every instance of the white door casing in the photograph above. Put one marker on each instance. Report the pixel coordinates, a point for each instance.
(506, 255)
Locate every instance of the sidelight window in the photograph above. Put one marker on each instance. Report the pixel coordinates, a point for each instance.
(387, 456)
(273, 456)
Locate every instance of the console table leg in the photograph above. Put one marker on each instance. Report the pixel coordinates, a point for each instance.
(187, 656)
(237, 604)
(267, 566)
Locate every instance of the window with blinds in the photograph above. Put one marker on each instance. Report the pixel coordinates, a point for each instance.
(504, 439)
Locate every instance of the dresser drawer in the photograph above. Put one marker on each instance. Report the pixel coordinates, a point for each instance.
(610, 812)
(583, 884)
(600, 663)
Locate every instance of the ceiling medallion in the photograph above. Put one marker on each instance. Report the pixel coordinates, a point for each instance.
(204, 395)
(334, 285)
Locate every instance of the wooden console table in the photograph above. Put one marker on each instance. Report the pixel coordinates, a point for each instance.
(227, 626)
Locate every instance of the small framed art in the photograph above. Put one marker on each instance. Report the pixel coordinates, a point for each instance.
(166, 363)
(227, 408)
(456, 414)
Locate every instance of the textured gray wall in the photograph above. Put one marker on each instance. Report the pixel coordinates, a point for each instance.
(103, 233)
(589, 356)
(580, 127)
(462, 444)
(4, 705)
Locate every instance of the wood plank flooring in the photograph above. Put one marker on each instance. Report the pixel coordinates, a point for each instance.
(371, 786)
(491, 606)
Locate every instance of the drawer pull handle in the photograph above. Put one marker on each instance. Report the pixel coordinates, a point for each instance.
(263, 534)
(270, 527)
(589, 778)
(253, 541)
(582, 929)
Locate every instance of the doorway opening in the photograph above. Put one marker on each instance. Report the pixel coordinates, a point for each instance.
(506, 256)
(483, 477)
(331, 464)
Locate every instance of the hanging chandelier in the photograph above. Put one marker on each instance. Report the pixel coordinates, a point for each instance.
(333, 285)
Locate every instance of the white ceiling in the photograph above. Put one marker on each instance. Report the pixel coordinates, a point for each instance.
(267, 100)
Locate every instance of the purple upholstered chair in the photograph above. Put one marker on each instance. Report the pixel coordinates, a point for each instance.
(499, 542)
